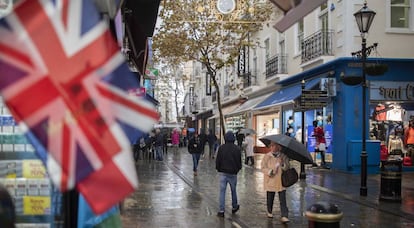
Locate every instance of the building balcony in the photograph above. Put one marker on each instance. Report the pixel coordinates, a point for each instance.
(317, 45)
(276, 65)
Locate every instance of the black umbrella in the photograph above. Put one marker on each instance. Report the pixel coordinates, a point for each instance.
(292, 148)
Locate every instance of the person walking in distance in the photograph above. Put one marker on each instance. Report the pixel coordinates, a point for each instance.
(184, 134)
(212, 140)
(228, 164)
(195, 149)
(203, 140)
(158, 144)
(248, 142)
(175, 140)
(273, 163)
(240, 138)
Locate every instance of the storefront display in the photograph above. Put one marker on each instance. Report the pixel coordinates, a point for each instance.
(25, 177)
(312, 144)
(389, 125)
(234, 123)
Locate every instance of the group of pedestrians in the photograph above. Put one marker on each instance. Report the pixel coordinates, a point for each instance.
(196, 146)
(229, 163)
(156, 143)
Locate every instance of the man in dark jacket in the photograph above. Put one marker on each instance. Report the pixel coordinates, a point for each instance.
(240, 138)
(212, 140)
(195, 148)
(203, 140)
(228, 164)
(158, 144)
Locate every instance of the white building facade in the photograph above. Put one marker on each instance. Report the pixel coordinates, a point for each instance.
(322, 38)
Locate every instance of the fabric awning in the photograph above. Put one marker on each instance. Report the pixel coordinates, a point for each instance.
(248, 105)
(286, 95)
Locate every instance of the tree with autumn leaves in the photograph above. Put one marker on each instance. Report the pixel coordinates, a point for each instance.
(194, 30)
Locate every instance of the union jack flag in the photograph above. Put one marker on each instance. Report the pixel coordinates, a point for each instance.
(65, 81)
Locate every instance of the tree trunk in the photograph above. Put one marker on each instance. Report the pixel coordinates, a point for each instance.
(176, 99)
(222, 128)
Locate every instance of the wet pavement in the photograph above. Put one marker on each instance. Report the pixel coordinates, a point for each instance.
(170, 196)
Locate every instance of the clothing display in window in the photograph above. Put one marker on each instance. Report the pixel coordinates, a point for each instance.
(409, 135)
(395, 145)
(380, 114)
(395, 114)
(373, 134)
(382, 131)
(409, 139)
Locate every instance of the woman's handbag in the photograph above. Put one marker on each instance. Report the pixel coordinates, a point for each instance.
(289, 177)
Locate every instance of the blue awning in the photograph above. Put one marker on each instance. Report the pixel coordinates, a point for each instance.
(286, 95)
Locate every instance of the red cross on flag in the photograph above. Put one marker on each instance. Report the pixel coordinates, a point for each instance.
(65, 81)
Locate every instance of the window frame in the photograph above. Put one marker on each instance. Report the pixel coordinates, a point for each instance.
(410, 28)
(299, 36)
(267, 48)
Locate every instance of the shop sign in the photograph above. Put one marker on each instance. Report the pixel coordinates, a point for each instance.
(392, 91)
(151, 73)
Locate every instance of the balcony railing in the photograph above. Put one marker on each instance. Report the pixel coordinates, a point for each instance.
(276, 65)
(317, 44)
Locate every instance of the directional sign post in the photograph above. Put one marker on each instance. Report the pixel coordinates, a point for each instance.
(313, 99)
(302, 166)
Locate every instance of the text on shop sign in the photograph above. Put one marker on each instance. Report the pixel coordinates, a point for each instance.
(397, 93)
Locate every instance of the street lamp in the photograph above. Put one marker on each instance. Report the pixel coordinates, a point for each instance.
(364, 18)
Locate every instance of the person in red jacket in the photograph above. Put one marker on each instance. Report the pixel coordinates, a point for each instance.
(319, 135)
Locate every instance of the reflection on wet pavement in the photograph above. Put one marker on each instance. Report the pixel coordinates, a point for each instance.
(170, 196)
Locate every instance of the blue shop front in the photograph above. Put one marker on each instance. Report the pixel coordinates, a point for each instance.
(389, 108)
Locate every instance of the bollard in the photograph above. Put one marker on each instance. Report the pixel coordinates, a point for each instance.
(324, 215)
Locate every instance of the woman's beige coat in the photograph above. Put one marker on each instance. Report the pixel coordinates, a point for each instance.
(273, 172)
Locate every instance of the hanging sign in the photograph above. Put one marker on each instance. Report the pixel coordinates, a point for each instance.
(151, 73)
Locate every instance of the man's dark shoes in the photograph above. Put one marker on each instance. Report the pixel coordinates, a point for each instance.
(220, 214)
(234, 210)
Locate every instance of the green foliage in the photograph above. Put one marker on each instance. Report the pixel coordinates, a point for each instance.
(195, 30)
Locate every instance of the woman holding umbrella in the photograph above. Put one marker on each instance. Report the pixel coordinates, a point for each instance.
(273, 164)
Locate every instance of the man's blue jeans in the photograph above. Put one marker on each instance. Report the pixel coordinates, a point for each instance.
(196, 158)
(158, 153)
(232, 180)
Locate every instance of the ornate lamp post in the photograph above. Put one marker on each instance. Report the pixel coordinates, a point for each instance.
(364, 18)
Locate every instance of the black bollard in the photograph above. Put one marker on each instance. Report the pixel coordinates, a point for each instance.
(324, 215)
